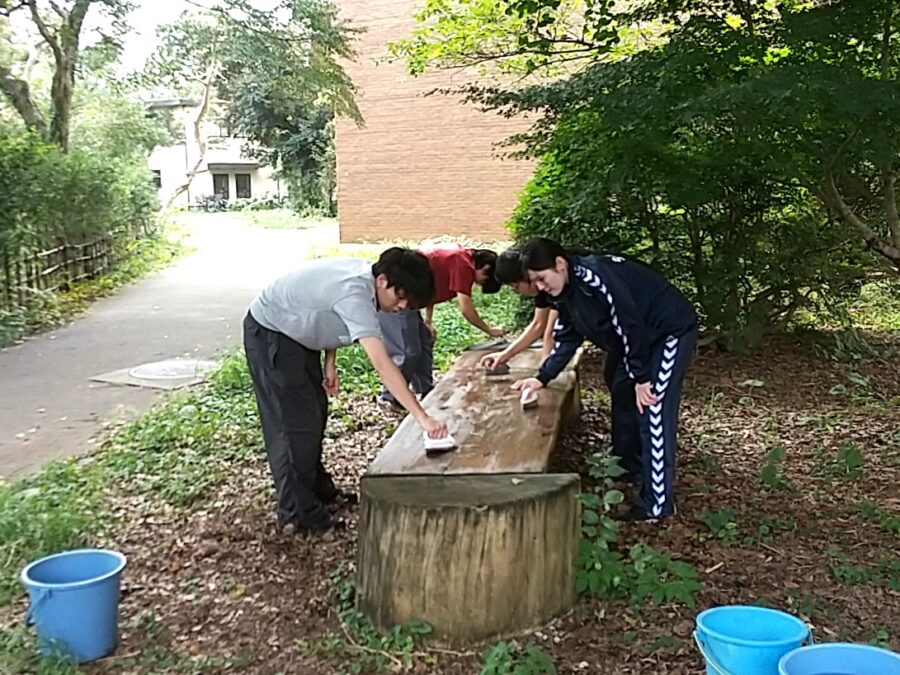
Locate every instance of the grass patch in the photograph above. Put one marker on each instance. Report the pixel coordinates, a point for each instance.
(46, 513)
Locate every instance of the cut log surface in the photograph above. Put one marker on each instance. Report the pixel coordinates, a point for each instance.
(485, 417)
(474, 556)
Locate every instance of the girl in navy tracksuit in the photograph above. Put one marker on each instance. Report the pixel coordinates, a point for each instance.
(648, 329)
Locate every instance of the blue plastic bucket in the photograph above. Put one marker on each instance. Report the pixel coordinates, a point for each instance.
(840, 658)
(744, 640)
(74, 602)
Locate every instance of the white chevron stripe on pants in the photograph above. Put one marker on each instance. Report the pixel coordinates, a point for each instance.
(659, 425)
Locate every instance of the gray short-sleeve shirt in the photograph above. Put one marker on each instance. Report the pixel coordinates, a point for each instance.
(325, 304)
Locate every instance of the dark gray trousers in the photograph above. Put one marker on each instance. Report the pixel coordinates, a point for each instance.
(293, 408)
(408, 342)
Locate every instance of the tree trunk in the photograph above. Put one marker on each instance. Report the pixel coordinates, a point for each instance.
(61, 95)
(212, 72)
(475, 556)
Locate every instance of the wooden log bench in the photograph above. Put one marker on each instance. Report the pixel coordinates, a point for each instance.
(478, 542)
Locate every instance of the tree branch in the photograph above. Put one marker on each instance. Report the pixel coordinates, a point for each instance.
(19, 95)
(832, 198)
(843, 146)
(44, 30)
(7, 12)
(59, 12)
(211, 73)
(76, 18)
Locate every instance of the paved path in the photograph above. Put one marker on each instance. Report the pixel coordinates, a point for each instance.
(48, 406)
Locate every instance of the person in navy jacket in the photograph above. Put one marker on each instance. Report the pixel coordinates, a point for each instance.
(648, 329)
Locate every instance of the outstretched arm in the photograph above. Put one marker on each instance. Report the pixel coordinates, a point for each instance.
(467, 309)
(396, 384)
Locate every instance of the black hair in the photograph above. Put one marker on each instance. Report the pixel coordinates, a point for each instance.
(509, 267)
(481, 258)
(541, 253)
(408, 272)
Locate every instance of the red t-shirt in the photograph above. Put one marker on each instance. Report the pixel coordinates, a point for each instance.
(454, 271)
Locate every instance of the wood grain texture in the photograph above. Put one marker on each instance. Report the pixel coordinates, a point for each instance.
(485, 417)
(474, 556)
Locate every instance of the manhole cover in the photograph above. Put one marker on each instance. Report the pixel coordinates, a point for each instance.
(174, 369)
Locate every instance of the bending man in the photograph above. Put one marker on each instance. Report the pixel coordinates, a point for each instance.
(323, 305)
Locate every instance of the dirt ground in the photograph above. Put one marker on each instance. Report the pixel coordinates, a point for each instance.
(221, 585)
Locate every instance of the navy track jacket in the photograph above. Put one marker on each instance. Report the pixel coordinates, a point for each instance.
(621, 305)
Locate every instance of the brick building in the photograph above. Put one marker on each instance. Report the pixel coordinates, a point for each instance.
(422, 166)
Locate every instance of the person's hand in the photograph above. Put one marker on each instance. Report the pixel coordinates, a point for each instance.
(497, 331)
(331, 382)
(433, 428)
(432, 331)
(529, 383)
(644, 396)
(491, 361)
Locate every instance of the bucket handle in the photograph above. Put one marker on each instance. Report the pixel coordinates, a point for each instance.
(42, 595)
(709, 658)
(715, 664)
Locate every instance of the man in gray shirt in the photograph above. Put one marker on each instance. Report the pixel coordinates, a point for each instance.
(321, 306)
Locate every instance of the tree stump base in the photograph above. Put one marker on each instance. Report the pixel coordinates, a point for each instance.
(475, 556)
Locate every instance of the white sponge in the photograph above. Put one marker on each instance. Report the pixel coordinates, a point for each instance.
(435, 446)
(529, 399)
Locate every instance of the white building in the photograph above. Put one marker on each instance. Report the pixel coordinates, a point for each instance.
(223, 171)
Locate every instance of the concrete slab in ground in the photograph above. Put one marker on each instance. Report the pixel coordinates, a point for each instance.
(168, 375)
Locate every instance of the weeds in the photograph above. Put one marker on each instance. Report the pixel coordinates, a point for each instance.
(508, 658)
(645, 575)
(767, 528)
(804, 603)
(721, 524)
(772, 475)
(883, 572)
(43, 514)
(881, 638)
(361, 647)
(847, 463)
(873, 513)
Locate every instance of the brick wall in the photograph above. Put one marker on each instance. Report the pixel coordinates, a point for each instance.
(422, 166)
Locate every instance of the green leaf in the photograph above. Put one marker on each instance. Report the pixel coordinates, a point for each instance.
(613, 497)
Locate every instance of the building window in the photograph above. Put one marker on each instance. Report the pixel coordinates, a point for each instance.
(242, 185)
(220, 185)
(157, 178)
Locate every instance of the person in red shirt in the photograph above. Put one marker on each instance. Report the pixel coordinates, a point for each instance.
(410, 339)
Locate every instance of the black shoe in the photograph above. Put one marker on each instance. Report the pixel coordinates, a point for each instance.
(638, 515)
(316, 528)
(340, 497)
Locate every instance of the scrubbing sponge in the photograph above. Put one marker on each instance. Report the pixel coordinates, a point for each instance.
(529, 399)
(438, 446)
